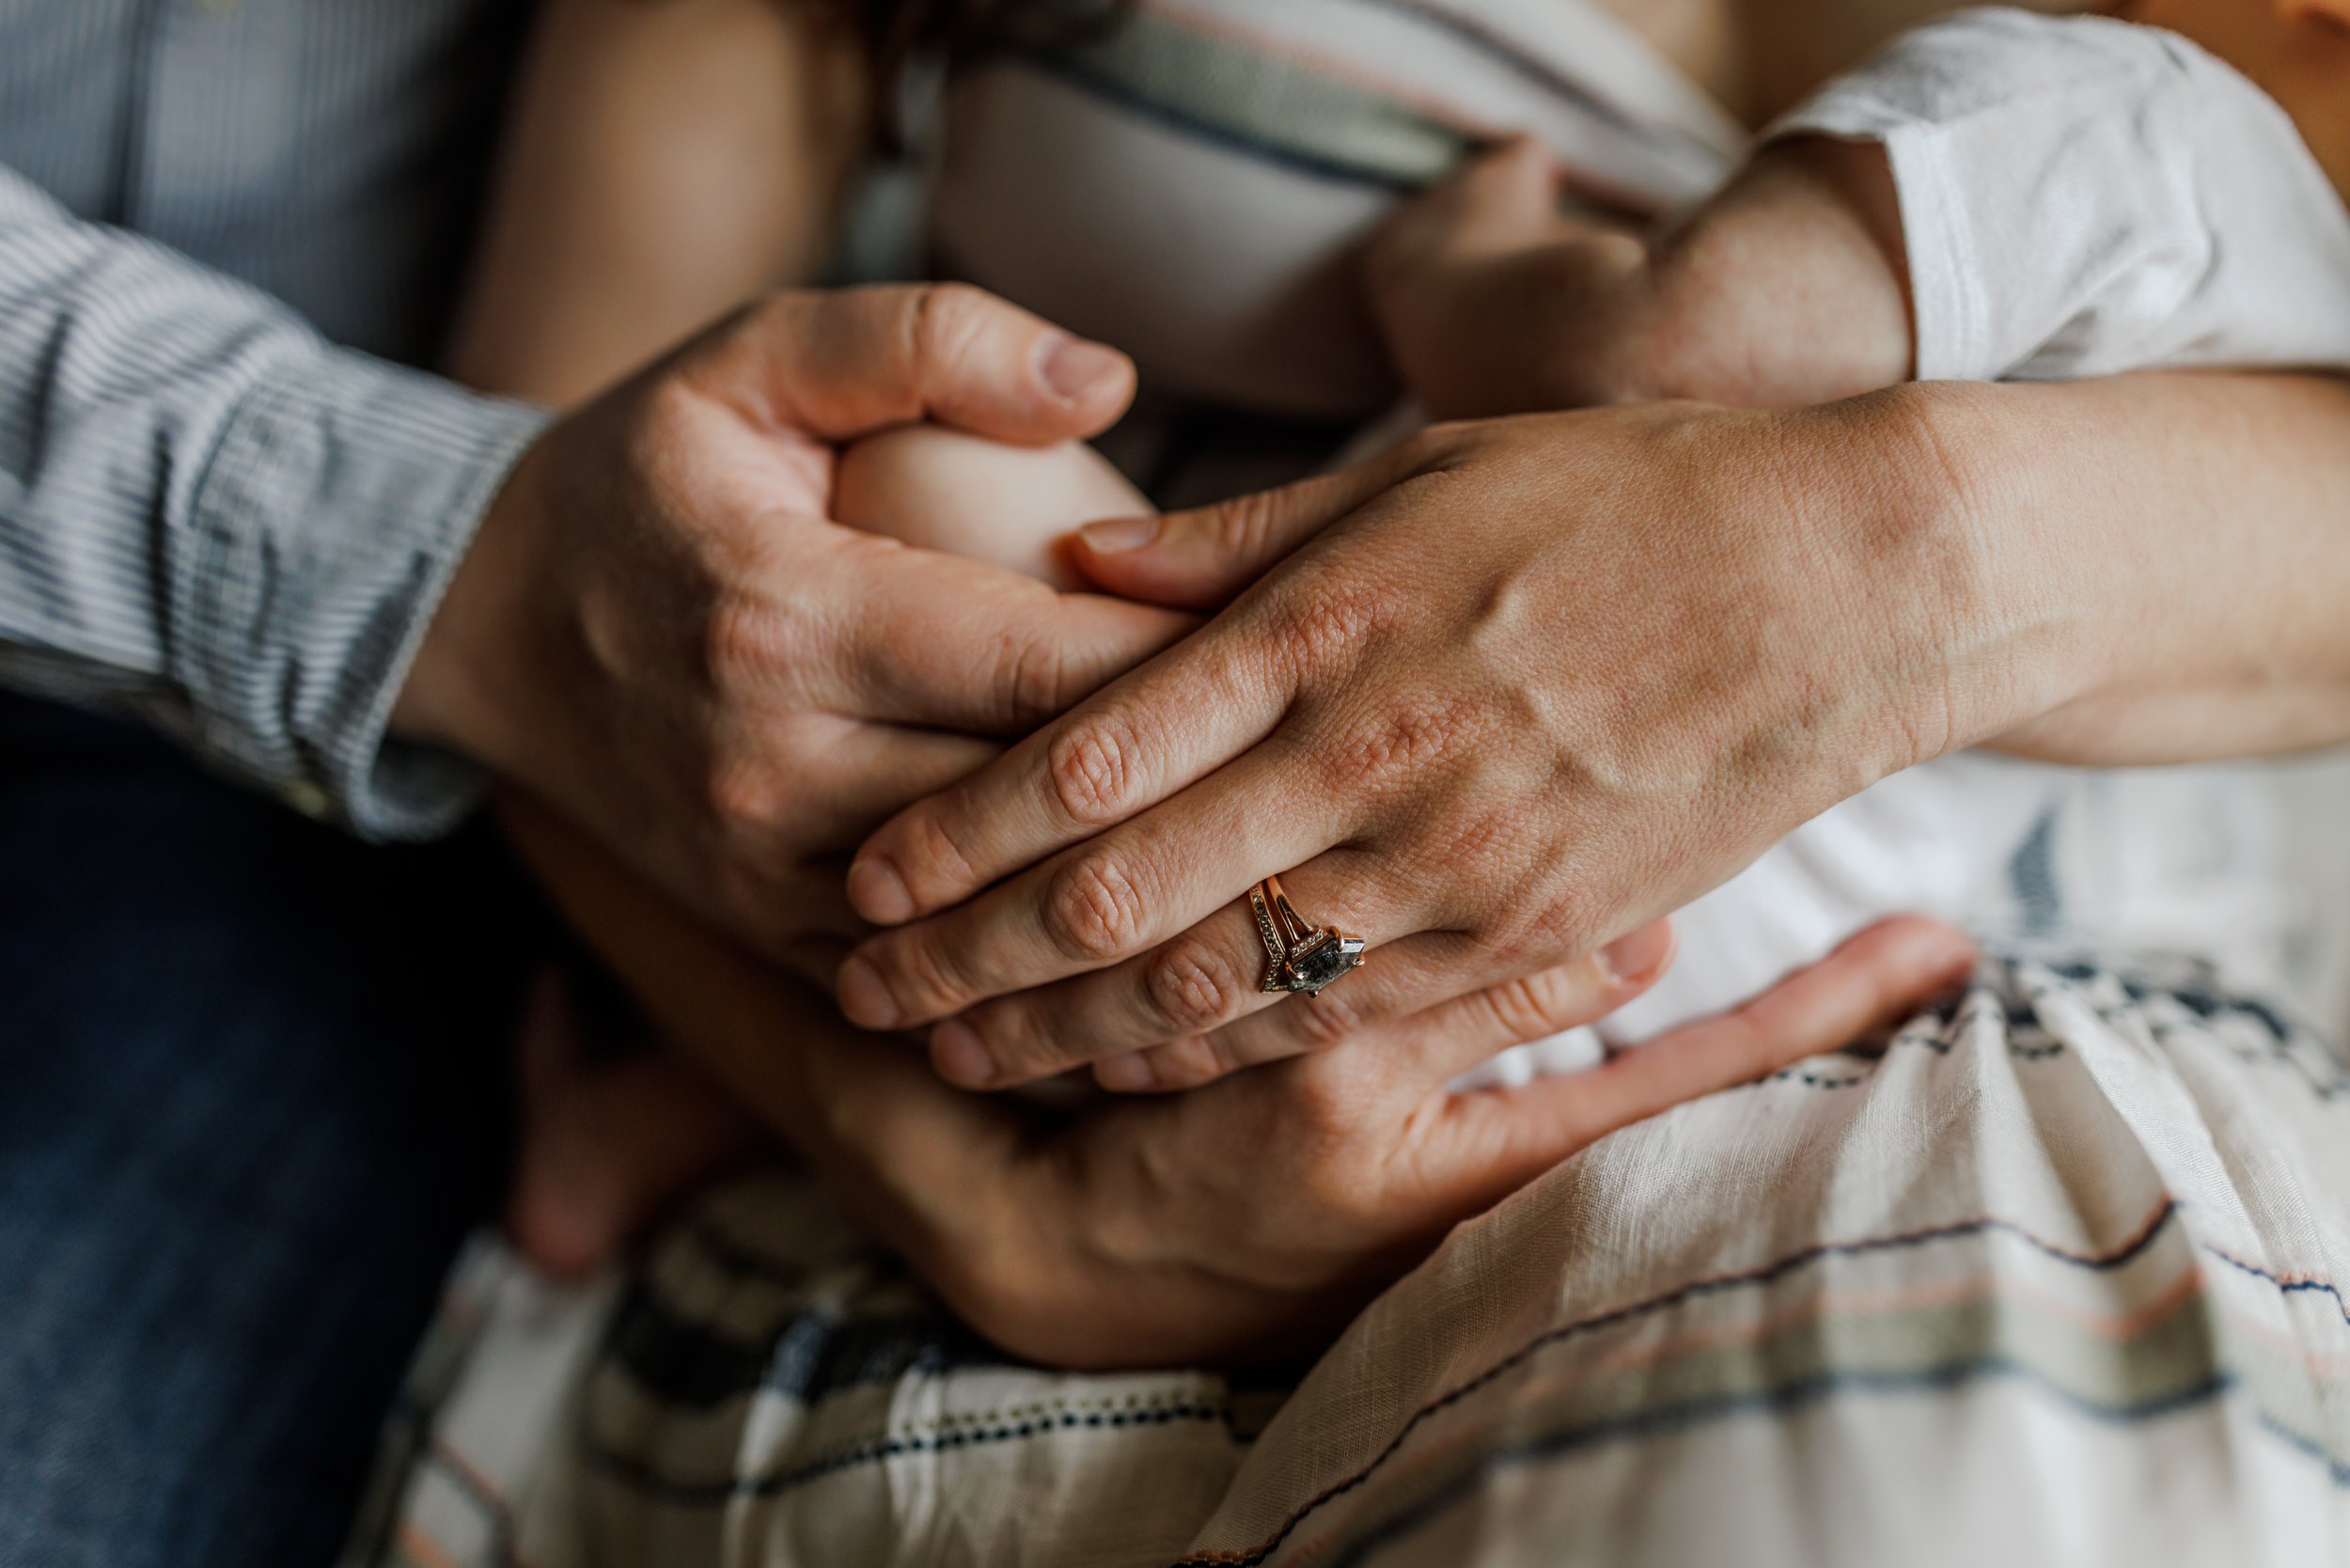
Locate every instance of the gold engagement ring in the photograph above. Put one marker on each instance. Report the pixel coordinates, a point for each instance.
(1299, 955)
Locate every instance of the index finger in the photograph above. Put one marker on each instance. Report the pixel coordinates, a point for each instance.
(1166, 726)
(958, 644)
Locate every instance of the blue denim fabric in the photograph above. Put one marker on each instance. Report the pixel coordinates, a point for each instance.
(253, 1091)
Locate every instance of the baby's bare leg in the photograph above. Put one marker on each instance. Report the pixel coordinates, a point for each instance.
(1014, 505)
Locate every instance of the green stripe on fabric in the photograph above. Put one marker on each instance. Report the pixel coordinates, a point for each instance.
(2170, 1360)
(1286, 104)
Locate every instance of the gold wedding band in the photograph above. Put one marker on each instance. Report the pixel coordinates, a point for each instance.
(1299, 955)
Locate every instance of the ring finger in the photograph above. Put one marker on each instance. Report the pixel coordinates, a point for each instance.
(1435, 968)
(1196, 980)
(1101, 903)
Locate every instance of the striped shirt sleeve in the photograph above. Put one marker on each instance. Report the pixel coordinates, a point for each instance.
(212, 517)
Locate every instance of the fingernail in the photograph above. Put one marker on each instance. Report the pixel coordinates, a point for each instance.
(1630, 960)
(1077, 370)
(1119, 534)
(879, 892)
(958, 1057)
(864, 999)
(1128, 1073)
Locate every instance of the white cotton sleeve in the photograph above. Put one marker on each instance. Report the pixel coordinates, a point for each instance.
(2080, 196)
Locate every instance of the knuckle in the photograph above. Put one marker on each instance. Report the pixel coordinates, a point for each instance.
(924, 976)
(1402, 740)
(949, 319)
(745, 643)
(1191, 988)
(1037, 679)
(932, 858)
(1014, 1042)
(744, 797)
(1093, 766)
(1532, 1006)
(1238, 528)
(1092, 910)
(1319, 1023)
(1545, 926)
(1326, 627)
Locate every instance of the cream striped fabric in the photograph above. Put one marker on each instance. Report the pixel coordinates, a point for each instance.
(2053, 1277)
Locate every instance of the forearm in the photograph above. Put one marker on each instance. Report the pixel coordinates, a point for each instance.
(663, 163)
(2164, 557)
(212, 517)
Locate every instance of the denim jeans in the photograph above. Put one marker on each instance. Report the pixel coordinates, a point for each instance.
(253, 1091)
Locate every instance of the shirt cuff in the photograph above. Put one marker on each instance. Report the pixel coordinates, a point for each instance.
(324, 531)
(1949, 315)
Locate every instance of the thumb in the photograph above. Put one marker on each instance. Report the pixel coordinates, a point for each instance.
(840, 363)
(1202, 558)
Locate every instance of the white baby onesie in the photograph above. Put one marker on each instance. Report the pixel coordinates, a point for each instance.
(2081, 197)
(2078, 197)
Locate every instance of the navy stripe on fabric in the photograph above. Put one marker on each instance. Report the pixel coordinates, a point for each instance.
(809, 1355)
(642, 1477)
(1793, 1396)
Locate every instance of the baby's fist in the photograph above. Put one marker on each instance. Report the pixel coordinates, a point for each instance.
(1491, 300)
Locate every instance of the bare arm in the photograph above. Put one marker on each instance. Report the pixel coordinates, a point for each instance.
(1660, 638)
(664, 163)
(2186, 539)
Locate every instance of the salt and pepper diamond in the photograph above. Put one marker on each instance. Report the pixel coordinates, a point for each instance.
(1321, 961)
(1299, 956)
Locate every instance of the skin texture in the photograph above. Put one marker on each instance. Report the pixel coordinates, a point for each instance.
(658, 632)
(964, 495)
(1787, 289)
(1530, 682)
(1243, 1223)
(662, 164)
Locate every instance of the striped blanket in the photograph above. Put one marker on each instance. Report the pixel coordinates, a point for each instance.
(2054, 1276)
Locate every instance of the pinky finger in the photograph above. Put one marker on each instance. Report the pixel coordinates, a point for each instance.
(1497, 1140)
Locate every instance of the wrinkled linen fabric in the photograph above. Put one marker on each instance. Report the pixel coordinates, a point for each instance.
(2052, 1276)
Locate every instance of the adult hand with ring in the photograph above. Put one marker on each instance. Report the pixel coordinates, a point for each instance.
(1245, 1222)
(1496, 700)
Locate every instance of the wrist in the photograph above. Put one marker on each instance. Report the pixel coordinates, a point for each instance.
(1981, 622)
(462, 692)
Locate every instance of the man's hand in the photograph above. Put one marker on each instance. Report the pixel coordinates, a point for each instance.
(658, 632)
(1242, 1222)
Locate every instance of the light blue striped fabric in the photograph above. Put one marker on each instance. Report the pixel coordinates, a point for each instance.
(215, 509)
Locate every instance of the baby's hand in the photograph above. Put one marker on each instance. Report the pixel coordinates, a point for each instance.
(1787, 287)
(966, 495)
(1493, 301)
